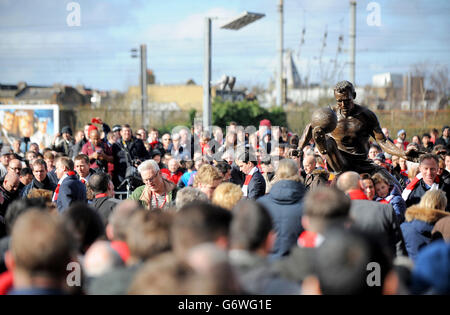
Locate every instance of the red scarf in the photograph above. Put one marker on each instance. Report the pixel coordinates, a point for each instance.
(154, 143)
(69, 173)
(357, 194)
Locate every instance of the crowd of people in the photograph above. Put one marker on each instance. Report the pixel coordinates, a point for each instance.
(225, 211)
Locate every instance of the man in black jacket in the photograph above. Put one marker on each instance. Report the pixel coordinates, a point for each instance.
(104, 201)
(254, 185)
(40, 180)
(128, 151)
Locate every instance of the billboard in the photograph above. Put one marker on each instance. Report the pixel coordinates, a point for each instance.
(39, 123)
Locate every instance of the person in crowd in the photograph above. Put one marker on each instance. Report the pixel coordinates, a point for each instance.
(15, 166)
(441, 229)
(100, 258)
(401, 139)
(172, 172)
(104, 201)
(338, 271)
(389, 194)
(368, 186)
(420, 220)
(387, 134)
(166, 275)
(84, 224)
(154, 142)
(374, 150)
(184, 179)
(431, 273)
(373, 218)
(19, 154)
(445, 138)
(207, 179)
(167, 142)
(81, 165)
(147, 236)
(8, 191)
(434, 133)
(69, 188)
(225, 170)
(227, 195)
(176, 150)
(157, 192)
(199, 223)
(251, 241)
(116, 229)
(25, 178)
(41, 179)
(99, 153)
(82, 140)
(426, 179)
(427, 145)
(284, 203)
(128, 152)
(268, 171)
(310, 176)
(189, 195)
(5, 156)
(40, 269)
(66, 143)
(254, 185)
(49, 159)
(324, 208)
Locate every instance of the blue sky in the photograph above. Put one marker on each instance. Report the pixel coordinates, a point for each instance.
(37, 45)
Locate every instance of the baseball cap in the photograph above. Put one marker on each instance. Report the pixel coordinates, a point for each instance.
(380, 157)
(66, 129)
(116, 128)
(5, 150)
(400, 132)
(265, 122)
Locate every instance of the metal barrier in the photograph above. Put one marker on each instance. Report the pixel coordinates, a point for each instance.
(122, 195)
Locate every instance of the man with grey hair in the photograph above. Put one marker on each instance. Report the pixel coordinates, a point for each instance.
(157, 192)
(189, 195)
(372, 217)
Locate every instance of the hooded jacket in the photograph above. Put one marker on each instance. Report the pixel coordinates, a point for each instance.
(395, 199)
(285, 205)
(416, 229)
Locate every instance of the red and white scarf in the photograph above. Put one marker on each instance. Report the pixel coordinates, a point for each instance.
(248, 178)
(414, 184)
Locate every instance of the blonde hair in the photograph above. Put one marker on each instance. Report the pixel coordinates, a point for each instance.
(227, 195)
(206, 175)
(287, 170)
(434, 199)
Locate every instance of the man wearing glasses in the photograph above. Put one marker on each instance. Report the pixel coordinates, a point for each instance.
(157, 192)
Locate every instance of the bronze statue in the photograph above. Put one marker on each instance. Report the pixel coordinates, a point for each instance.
(342, 134)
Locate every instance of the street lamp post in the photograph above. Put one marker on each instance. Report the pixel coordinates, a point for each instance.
(235, 24)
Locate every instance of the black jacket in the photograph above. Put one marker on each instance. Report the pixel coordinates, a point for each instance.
(48, 183)
(104, 207)
(257, 186)
(125, 154)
